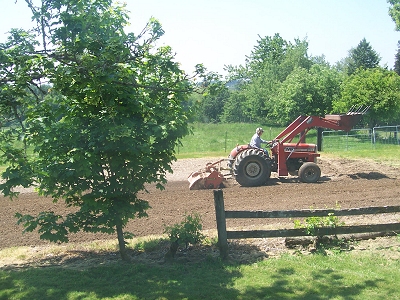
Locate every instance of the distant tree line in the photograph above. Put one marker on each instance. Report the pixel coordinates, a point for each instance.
(280, 81)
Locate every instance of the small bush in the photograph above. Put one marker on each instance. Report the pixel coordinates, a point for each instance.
(312, 223)
(185, 233)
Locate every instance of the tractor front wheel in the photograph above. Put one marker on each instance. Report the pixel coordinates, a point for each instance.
(309, 172)
(252, 168)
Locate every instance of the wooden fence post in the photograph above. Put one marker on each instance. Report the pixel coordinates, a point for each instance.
(319, 138)
(221, 223)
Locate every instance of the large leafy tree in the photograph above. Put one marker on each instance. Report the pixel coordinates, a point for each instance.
(108, 126)
(306, 92)
(394, 12)
(276, 58)
(377, 88)
(233, 108)
(363, 56)
(212, 103)
(269, 64)
(268, 51)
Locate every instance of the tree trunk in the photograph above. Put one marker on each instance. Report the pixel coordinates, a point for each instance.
(121, 243)
(172, 250)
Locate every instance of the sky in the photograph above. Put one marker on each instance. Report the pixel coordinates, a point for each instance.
(217, 33)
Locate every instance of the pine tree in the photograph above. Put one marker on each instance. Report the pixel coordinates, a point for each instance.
(363, 56)
(396, 67)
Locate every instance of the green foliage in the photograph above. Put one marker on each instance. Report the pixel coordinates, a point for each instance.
(362, 57)
(280, 81)
(270, 63)
(306, 92)
(187, 232)
(50, 227)
(377, 88)
(108, 125)
(394, 12)
(314, 224)
(252, 87)
(396, 66)
(233, 110)
(212, 104)
(268, 50)
(311, 224)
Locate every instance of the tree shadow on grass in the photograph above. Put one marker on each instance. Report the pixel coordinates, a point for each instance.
(195, 274)
(113, 279)
(325, 284)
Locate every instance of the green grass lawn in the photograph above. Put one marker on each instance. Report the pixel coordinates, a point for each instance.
(339, 276)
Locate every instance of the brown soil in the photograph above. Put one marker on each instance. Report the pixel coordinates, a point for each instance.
(344, 183)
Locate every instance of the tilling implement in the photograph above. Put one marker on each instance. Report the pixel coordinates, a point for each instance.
(208, 178)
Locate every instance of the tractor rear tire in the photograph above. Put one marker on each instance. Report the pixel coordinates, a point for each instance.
(309, 172)
(252, 167)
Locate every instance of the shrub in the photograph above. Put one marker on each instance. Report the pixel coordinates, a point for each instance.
(185, 233)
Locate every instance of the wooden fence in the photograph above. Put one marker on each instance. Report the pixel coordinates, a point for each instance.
(224, 235)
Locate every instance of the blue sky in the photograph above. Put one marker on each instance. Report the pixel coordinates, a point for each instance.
(222, 32)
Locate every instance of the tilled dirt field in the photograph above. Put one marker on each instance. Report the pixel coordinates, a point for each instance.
(344, 183)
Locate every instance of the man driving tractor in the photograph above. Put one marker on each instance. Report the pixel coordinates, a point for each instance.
(256, 140)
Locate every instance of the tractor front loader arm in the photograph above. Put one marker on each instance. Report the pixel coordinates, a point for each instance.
(335, 122)
(283, 149)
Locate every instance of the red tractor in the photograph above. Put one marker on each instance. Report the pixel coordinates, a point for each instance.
(253, 166)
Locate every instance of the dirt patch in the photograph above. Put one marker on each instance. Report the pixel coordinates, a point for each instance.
(345, 183)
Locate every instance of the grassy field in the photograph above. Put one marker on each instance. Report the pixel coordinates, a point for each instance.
(339, 275)
(214, 140)
(219, 139)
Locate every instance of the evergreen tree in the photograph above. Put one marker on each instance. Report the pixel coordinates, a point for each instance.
(397, 59)
(363, 56)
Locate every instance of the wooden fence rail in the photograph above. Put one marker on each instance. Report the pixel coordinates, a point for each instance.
(224, 235)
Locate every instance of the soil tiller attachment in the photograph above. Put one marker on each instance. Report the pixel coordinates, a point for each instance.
(209, 177)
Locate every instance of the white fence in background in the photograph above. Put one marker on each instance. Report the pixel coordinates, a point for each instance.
(376, 135)
(386, 134)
